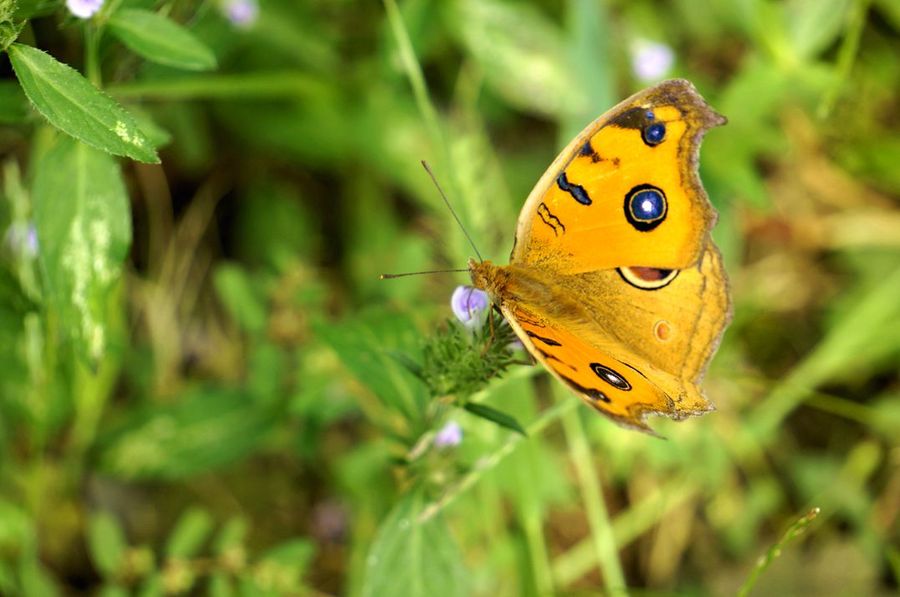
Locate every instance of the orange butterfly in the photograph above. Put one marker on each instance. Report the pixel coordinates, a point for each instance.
(614, 283)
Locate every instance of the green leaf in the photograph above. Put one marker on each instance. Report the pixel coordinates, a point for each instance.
(16, 528)
(521, 54)
(886, 415)
(114, 591)
(495, 416)
(161, 40)
(209, 428)
(34, 578)
(106, 542)
(410, 558)
(152, 586)
(191, 531)
(280, 570)
(71, 104)
(11, 25)
(365, 344)
(220, 585)
(295, 553)
(241, 297)
(813, 25)
(26, 9)
(408, 363)
(232, 535)
(7, 578)
(83, 222)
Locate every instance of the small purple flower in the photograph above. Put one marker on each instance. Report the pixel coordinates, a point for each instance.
(84, 9)
(329, 521)
(241, 13)
(31, 241)
(470, 306)
(450, 435)
(650, 60)
(515, 345)
(23, 240)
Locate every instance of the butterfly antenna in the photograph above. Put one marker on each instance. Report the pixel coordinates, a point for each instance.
(452, 211)
(434, 271)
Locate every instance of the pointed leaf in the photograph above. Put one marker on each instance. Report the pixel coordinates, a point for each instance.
(106, 542)
(83, 223)
(407, 361)
(161, 40)
(495, 416)
(71, 104)
(191, 532)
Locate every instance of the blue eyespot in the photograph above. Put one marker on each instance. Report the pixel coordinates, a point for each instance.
(649, 114)
(645, 207)
(654, 134)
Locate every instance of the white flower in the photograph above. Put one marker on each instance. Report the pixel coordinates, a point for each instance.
(650, 60)
(84, 9)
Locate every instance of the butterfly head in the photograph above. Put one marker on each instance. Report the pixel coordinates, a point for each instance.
(487, 276)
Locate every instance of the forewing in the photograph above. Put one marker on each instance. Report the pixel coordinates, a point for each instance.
(625, 192)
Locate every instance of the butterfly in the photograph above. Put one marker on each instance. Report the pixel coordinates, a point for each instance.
(614, 284)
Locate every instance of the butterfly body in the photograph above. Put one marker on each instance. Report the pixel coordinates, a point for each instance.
(614, 284)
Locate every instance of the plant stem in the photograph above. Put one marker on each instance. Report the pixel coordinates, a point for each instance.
(488, 462)
(846, 56)
(92, 54)
(592, 495)
(426, 108)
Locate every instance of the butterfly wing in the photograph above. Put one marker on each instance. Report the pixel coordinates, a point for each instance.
(631, 172)
(586, 365)
(614, 284)
(672, 326)
(626, 351)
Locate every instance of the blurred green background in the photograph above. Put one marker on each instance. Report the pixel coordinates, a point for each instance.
(248, 426)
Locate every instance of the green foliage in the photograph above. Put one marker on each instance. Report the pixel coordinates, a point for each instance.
(460, 361)
(362, 345)
(795, 530)
(492, 414)
(414, 557)
(207, 389)
(207, 429)
(11, 23)
(160, 40)
(107, 543)
(189, 534)
(83, 226)
(69, 102)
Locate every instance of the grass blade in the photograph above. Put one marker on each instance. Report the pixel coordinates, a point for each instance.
(794, 531)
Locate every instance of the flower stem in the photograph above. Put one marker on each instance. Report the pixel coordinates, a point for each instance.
(92, 54)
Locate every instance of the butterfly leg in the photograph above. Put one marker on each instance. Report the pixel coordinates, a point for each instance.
(490, 342)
